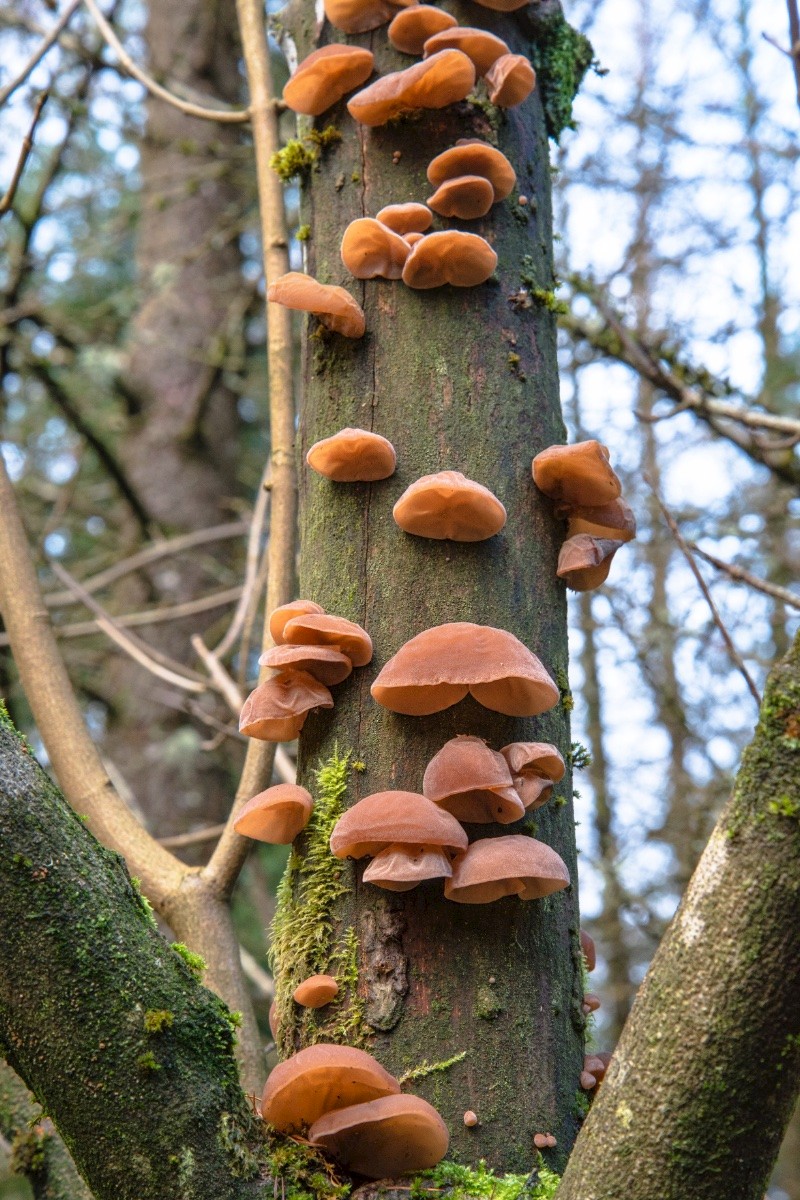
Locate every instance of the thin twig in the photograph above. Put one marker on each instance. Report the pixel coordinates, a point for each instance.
(740, 575)
(224, 115)
(250, 619)
(260, 511)
(231, 850)
(177, 841)
(222, 680)
(72, 752)
(687, 553)
(49, 39)
(7, 199)
(144, 655)
(256, 974)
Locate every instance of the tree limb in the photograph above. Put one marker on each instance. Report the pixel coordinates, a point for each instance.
(35, 1149)
(7, 199)
(49, 39)
(704, 1080)
(740, 575)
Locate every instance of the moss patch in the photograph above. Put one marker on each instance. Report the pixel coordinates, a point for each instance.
(425, 1068)
(299, 155)
(561, 56)
(462, 1182)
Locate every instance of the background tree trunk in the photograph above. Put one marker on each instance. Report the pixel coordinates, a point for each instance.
(464, 380)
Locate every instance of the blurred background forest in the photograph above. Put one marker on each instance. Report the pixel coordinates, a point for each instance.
(133, 381)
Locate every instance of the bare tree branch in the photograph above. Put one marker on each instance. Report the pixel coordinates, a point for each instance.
(7, 200)
(742, 576)
(260, 511)
(47, 41)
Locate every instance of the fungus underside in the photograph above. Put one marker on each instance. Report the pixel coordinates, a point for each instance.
(305, 937)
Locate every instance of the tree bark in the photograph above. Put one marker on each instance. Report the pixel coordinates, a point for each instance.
(37, 1152)
(105, 1023)
(703, 1083)
(461, 379)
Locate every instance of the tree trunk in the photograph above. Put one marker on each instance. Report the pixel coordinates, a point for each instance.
(105, 1024)
(460, 379)
(707, 1072)
(37, 1152)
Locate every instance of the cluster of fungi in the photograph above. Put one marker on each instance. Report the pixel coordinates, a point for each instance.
(339, 1098)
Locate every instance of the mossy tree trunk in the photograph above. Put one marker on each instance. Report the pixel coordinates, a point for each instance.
(705, 1077)
(461, 379)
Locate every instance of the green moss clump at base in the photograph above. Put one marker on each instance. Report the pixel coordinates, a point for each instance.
(305, 940)
(195, 962)
(158, 1019)
(299, 155)
(300, 1172)
(561, 57)
(462, 1182)
(28, 1154)
(148, 1062)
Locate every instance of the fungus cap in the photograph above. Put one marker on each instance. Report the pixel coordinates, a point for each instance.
(513, 865)
(400, 868)
(395, 819)
(413, 237)
(284, 613)
(448, 505)
(333, 306)
(613, 520)
(327, 630)
(353, 455)
(325, 76)
(591, 1002)
(276, 710)
(503, 5)
(359, 16)
(481, 48)
(579, 474)
(443, 79)
(276, 815)
(466, 197)
(411, 28)
(510, 80)
(316, 991)
(588, 950)
(406, 218)
(470, 1119)
(319, 1080)
(326, 663)
(471, 156)
(535, 767)
(372, 250)
(472, 782)
(584, 562)
(384, 1138)
(440, 665)
(451, 256)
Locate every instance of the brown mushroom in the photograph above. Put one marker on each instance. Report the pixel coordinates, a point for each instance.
(584, 562)
(334, 307)
(588, 950)
(359, 16)
(410, 217)
(407, 836)
(325, 76)
(411, 28)
(276, 815)
(503, 5)
(285, 612)
(448, 505)
(319, 1080)
(470, 1119)
(276, 711)
(326, 663)
(371, 250)
(612, 520)
(327, 630)
(383, 1138)
(591, 1003)
(451, 256)
(440, 665)
(535, 767)
(579, 474)
(353, 455)
(513, 865)
(481, 47)
(443, 79)
(316, 991)
(472, 782)
(413, 237)
(471, 156)
(510, 80)
(466, 197)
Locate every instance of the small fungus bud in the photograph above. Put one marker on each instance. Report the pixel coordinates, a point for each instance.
(540, 1140)
(551, 1141)
(523, 200)
(588, 1080)
(470, 1119)
(591, 1003)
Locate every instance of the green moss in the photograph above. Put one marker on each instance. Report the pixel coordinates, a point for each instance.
(487, 1004)
(581, 1104)
(562, 682)
(144, 903)
(195, 962)
(301, 1173)
(425, 1068)
(148, 1062)
(579, 757)
(462, 1182)
(305, 937)
(561, 56)
(324, 138)
(28, 1155)
(156, 1020)
(355, 177)
(784, 806)
(303, 233)
(299, 155)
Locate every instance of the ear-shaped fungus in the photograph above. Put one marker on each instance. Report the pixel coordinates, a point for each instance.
(588, 950)
(614, 520)
(471, 156)
(370, 250)
(352, 456)
(439, 666)
(276, 815)
(510, 80)
(472, 782)
(481, 47)
(326, 663)
(451, 256)
(411, 28)
(410, 217)
(334, 307)
(408, 838)
(443, 79)
(276, 711)
(325, 76)
(284, 613)
(535, 767)
(319, 1080)
(514, 865)
(466, 197)
(383, 1138)
(359, 16)
(584, 562)
(448, 505)
(579, 474)
(316, 991)
(327, 630)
